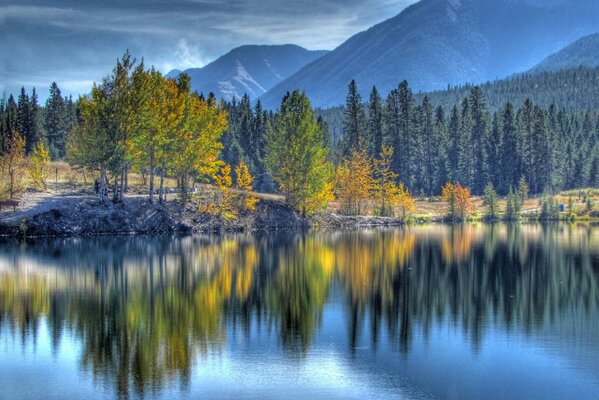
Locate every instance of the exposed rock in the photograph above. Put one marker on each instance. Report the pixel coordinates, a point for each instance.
(137, 216)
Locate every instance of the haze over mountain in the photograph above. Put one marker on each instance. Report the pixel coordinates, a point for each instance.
(249, 69)
(582, 53)
(436, 43)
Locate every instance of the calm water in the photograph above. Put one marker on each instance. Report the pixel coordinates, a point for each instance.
(434, 312)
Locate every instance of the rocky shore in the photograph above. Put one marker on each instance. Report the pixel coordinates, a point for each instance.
(137, 216)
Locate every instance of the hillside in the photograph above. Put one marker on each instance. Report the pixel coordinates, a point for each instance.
(584, 52)
(249, 69)
(436, 43)
(575, 89)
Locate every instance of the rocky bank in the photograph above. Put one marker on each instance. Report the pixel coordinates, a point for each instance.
(137, 216)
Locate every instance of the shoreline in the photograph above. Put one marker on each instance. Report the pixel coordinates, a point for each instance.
(135, 216)
(81, 215)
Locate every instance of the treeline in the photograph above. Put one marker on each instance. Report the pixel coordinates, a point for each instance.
(550, 148)
(575, 89)
(392, 146)
(50, 123)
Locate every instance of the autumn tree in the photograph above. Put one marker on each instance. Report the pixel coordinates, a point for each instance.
(38, 166)
(458, 199)
(296, 155)
(196, 145)
(224, 206)
(11, 164)
(354, 182)
(401, 198)
(245, 182)
(384, 185)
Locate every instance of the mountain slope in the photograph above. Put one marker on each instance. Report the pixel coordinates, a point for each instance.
(435, 43)
(582, 53)
(574, 90)
(249, 69)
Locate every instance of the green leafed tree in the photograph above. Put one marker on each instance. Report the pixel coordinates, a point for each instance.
(296, 156)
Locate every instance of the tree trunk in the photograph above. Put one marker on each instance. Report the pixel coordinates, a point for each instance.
(151, 177)
(162, 197)
(123, 179)
(115, 192)
(102, 183)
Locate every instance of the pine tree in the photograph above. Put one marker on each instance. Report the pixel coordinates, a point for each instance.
(491, 202)
(480, 137)
(541, 153)
(465, 147)
(24, 120)
(35, 123)
(54, 123)
(354, 122)
(453, 143)
(9, 122)
(407, 134)
(375, 123)
(442, 145)
(509, 161)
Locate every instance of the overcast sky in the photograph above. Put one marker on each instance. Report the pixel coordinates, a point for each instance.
(76, 42)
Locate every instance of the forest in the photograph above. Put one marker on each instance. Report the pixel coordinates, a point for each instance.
(381, 151)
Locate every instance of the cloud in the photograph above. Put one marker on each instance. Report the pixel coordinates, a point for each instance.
(74, 41)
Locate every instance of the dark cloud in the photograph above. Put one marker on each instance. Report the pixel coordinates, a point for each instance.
(76, 42)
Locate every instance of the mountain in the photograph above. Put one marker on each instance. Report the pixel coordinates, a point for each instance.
(436, 43)
(582, 53)
(249, 69)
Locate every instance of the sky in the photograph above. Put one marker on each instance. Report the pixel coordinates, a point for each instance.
(77, 42)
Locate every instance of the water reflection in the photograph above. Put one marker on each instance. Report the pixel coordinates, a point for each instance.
(145, 310)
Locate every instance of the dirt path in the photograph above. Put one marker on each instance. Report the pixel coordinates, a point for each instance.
(34, 203)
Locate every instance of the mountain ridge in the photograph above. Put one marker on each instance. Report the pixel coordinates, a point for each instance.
(251, 69)
(436, 43)
(584, 52)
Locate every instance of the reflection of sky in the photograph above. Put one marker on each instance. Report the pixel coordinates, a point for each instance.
(440, 364)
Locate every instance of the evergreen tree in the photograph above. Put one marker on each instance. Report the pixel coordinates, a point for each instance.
(36, 126)
(375, 124)
(354, 122)
(441, 144)
(509, 161)
(54, 122)
(453, 142)
(9, 123)
(465, 169)
(24, 120)
(480, 137)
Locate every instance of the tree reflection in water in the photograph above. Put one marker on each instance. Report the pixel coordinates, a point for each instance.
(146, 308)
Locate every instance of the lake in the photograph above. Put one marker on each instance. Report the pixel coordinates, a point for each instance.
(431, 312)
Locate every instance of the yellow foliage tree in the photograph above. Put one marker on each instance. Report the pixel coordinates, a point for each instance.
(401, 198)
(387, 194)
(196, 144)
(38, 166)
(11, 164)
(354, 182)
(245, 180)
(384, 187)
(458, 199)
(225, 205)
